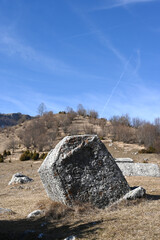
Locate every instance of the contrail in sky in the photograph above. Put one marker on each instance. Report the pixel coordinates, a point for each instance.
(115, 87)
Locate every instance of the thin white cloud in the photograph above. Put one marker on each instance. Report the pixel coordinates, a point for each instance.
(119, 3)
(138, 101)
(13, 46)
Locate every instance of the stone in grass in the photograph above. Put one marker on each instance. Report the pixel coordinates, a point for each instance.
(80, 169)
(70, 238)
(6, 211)
(139, 169)
(137, 192)
(35, 214)
(19, 178)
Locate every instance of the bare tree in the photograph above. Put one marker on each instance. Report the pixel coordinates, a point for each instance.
(137, 122)
(121, 120)
(93, 114)
(123, 133)
(41, 109)
(147, 134)
(157, 124)
(81, 110)
(12, 144)
(71, 114)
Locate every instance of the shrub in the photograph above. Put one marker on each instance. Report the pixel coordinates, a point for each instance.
(142, 151)
(151, 149)
(35, 156)
(1, 158)
(8, 153)
(25, 156)
(62, 112)
(101, 137)
(4, 153)
(43, 155)
(148, 150)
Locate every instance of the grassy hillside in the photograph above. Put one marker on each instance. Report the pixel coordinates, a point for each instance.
(137, 219)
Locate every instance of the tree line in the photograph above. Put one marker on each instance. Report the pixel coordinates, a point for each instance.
(47, 128)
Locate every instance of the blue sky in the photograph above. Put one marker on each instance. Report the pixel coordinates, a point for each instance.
(104, 54)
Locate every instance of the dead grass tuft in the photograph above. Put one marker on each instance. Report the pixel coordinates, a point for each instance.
(84, 209)
(126, 204)
(58, 210)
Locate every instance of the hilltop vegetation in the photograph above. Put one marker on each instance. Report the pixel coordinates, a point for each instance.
(13, 119)
(45, 130)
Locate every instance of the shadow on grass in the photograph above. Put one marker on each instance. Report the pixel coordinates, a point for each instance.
(40, 229)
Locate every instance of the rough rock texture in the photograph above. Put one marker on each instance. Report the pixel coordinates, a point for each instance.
(138, 192)
(35, 213)
(80, 169)
(19, 178)
(139, 169)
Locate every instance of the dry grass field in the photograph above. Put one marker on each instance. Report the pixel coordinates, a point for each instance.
(138, 219)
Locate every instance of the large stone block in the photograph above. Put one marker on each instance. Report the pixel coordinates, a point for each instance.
(80, 169)
(139, 169)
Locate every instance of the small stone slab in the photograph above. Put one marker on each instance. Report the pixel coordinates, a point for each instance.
(70, 238)
(124, 160)
(139, 169)
(138, 192)
(35, 213)
(19, 178)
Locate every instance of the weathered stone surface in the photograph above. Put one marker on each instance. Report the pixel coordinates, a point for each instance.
(80, 168)
(138, 192)
(139, 169)
(19, 178)
(124, 160)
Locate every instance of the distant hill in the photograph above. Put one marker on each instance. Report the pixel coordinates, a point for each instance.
(13, 119)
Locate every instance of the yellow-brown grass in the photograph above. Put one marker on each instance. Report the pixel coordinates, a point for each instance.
(139, 219)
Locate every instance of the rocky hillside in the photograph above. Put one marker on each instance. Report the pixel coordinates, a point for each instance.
(13, 119)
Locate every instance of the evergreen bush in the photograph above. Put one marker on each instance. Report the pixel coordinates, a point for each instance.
(4, 153)
(35, 156)
(8, 153)
(148, 150)
(43, 155)
(1, 158)
(25, 156)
